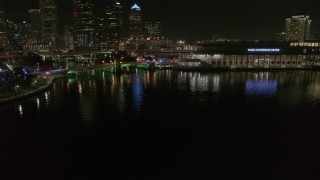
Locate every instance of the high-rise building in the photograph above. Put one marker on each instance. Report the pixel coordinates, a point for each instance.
(114, 25)
(19, 33)
(153, 31)
(135, 23)
(298, 28)
(69, 38)
(101, 32)
(49, 22)
(3, 28)
(83, 18)
(35, 25)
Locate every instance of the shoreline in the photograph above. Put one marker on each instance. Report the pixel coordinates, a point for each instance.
(184, 69)
(33, 92)
(228, 69)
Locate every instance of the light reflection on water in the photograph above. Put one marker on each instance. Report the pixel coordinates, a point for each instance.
(127, 96)
(20, 111)
(258, 89)
(130, 119)
(47, 98)
(137, 93)
(313, 91)
(121, 100)
(38, 105)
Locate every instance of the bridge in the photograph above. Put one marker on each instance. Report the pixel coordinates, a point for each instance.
(108, 67)
(76, 56)
(91, 57)
(164, 53)
(75, 73)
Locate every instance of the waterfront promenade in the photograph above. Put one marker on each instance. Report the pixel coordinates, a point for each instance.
(28, 93)
(50, 76)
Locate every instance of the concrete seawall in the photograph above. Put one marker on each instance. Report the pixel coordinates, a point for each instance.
(33, 92)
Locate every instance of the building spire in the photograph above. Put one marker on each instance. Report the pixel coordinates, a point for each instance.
(135, 6)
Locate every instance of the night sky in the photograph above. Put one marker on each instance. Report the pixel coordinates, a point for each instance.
(198, 20)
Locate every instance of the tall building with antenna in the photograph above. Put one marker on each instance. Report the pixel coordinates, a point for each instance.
(136, 29)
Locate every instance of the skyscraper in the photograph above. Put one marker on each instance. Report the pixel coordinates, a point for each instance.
(114, 24)
(153, 30)
(83, 22)
(101, 32)
(298, 28)
(68, 37)
(35, 25)
(18, 33)
(135, 23)
(3, 28)
(49, 22)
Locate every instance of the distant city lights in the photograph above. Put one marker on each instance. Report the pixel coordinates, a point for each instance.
(181, 42)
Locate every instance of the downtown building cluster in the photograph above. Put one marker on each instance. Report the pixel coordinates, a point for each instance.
(295, 48)
(108, 31)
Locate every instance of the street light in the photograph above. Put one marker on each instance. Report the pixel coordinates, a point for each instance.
(16, 88)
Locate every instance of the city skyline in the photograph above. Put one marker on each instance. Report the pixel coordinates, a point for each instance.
(247, 20)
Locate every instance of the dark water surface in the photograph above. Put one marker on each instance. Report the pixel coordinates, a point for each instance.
(166, 125)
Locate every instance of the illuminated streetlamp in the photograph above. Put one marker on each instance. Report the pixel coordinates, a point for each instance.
(16, 88)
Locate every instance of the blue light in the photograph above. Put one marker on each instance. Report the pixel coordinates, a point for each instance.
(260, 87)
(25, 72)
(263, 50)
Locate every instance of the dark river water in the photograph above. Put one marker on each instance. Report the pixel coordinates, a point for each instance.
(166, 125)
